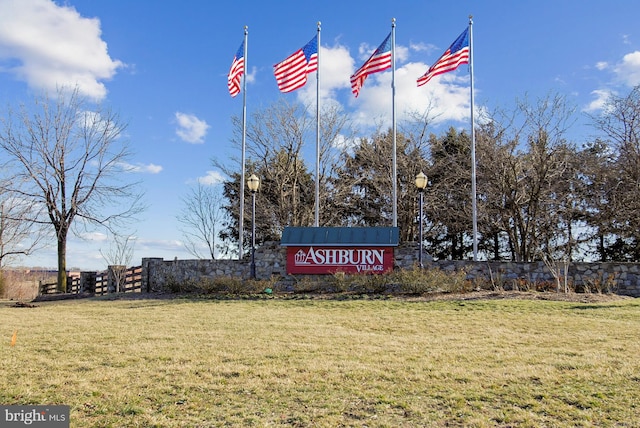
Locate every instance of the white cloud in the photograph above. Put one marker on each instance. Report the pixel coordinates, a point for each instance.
(628, 70)
(602, 65)
(365, 50)
(251, 76)
(141, 168)
(49, 46)
(94, 236)
(423, 47)
(150, 168)
(336, 65)
(600, 101)
(211, 178)
(150, 245)
(446, 97)
(190, 128)
(402, 54)
(625, 72)
(342, 142)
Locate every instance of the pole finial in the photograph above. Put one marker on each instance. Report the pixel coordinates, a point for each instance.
(393, 22)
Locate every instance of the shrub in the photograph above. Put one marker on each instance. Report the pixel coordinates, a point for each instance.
(309, 284)
(601, 283)
(217, 285)
(184, 286)
(341, 282)
(408, 281)
(370, 283)
(419, 281)
(228, 284)
(416, 281)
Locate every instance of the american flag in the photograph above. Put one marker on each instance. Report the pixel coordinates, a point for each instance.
(380, 60)
(236, 72)
(458, 53)
(291, 73)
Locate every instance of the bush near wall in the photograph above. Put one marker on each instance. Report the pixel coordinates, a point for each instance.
(443, 275)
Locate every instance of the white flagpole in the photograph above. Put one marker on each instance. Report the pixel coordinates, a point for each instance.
(474, 207)
(244, 143)
(393, 120)
(317, 216)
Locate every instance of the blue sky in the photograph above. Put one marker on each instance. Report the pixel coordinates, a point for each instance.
(162, 65)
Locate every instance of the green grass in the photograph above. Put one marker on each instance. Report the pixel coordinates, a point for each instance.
(326, 363)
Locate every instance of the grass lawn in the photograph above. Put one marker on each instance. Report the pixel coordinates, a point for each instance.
(326, 363)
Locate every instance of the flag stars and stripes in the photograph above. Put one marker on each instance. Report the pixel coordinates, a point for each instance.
(380, 60)
(291, 73)
(236, 72)
(457, 54)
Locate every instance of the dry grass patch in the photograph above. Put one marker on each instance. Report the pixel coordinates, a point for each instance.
(304, 363)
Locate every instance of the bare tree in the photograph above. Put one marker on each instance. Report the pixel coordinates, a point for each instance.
(275, 140)
(365, 181)
(18, 236)
(619, 205)
(336, 133)
(200, 218)
(118, 257)
(280, 139)
(526, 175)
(71, 161)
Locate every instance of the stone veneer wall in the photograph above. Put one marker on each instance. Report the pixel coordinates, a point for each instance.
(270, 260)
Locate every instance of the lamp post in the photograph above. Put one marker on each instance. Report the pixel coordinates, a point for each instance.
(253, 183)
(421, 184)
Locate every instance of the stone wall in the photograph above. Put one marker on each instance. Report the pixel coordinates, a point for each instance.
(159, 275)
(620, 278)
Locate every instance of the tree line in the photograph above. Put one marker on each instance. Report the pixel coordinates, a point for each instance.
(540, 194)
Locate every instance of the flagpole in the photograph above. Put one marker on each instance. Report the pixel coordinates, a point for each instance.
(393, 120)
(473, 148)
(244, 144)
(317, 215)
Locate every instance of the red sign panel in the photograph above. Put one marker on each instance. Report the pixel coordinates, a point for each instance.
(321, 260)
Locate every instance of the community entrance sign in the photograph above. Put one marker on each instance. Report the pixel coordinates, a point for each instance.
(320, 260)
(326, 250)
